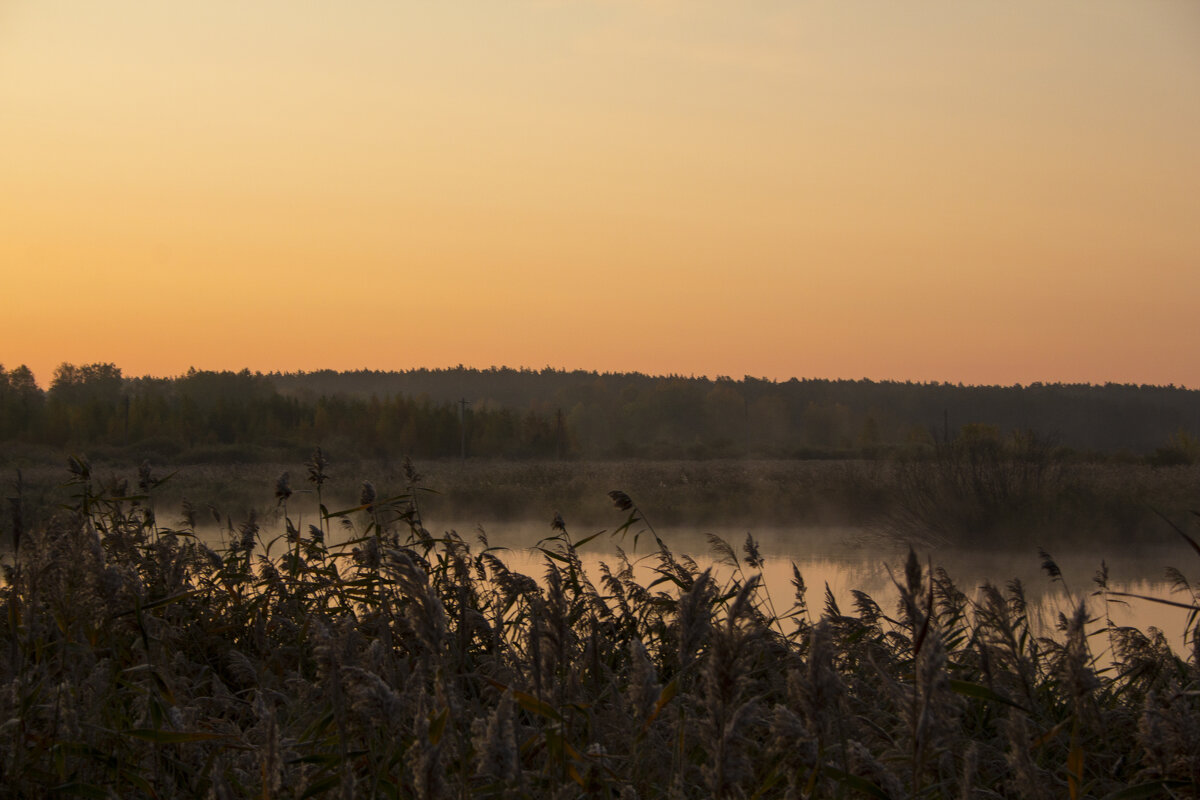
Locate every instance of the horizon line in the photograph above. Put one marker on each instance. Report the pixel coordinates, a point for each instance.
(714, 378)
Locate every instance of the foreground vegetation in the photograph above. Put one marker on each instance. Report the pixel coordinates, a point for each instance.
(142, 663)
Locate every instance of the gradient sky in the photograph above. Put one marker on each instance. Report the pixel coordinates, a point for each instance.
(985, 192)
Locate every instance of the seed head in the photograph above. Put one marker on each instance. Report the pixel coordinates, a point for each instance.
(145, 478)
(283, 487)
(754, 558)
(410, 472)
(621, 500)
(249, 531)
(316, 468)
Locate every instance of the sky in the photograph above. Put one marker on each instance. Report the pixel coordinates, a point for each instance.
(986, 192)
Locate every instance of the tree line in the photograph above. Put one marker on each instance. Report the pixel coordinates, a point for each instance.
(521, 413)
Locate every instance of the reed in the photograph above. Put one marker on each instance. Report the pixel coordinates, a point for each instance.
(138, 662)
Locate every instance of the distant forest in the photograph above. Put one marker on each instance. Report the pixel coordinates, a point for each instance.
(519, 413)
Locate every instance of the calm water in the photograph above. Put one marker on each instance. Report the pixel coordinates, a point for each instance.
(850, 559)
(846, 559)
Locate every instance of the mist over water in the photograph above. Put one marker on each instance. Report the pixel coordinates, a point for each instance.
(840, 559)
(847, 560)
(847, 556)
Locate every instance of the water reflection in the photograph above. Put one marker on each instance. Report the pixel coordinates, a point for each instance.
(844, 560)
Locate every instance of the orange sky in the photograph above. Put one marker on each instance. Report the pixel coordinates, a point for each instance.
(989, 192)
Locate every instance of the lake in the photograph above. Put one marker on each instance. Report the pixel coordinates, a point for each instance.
(847, 558)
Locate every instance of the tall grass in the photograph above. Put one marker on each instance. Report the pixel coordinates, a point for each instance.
(139, 662)
(981, 483)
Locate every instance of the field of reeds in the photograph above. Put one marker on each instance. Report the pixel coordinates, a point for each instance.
(366, 656)
(960, 494)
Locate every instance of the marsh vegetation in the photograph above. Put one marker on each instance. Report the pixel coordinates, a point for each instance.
(363, 655)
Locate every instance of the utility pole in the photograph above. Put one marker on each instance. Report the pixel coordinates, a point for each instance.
(462, 426)
(746, 413)
(559, 431)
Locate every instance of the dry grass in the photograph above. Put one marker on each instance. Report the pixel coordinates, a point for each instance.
(141, 663)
